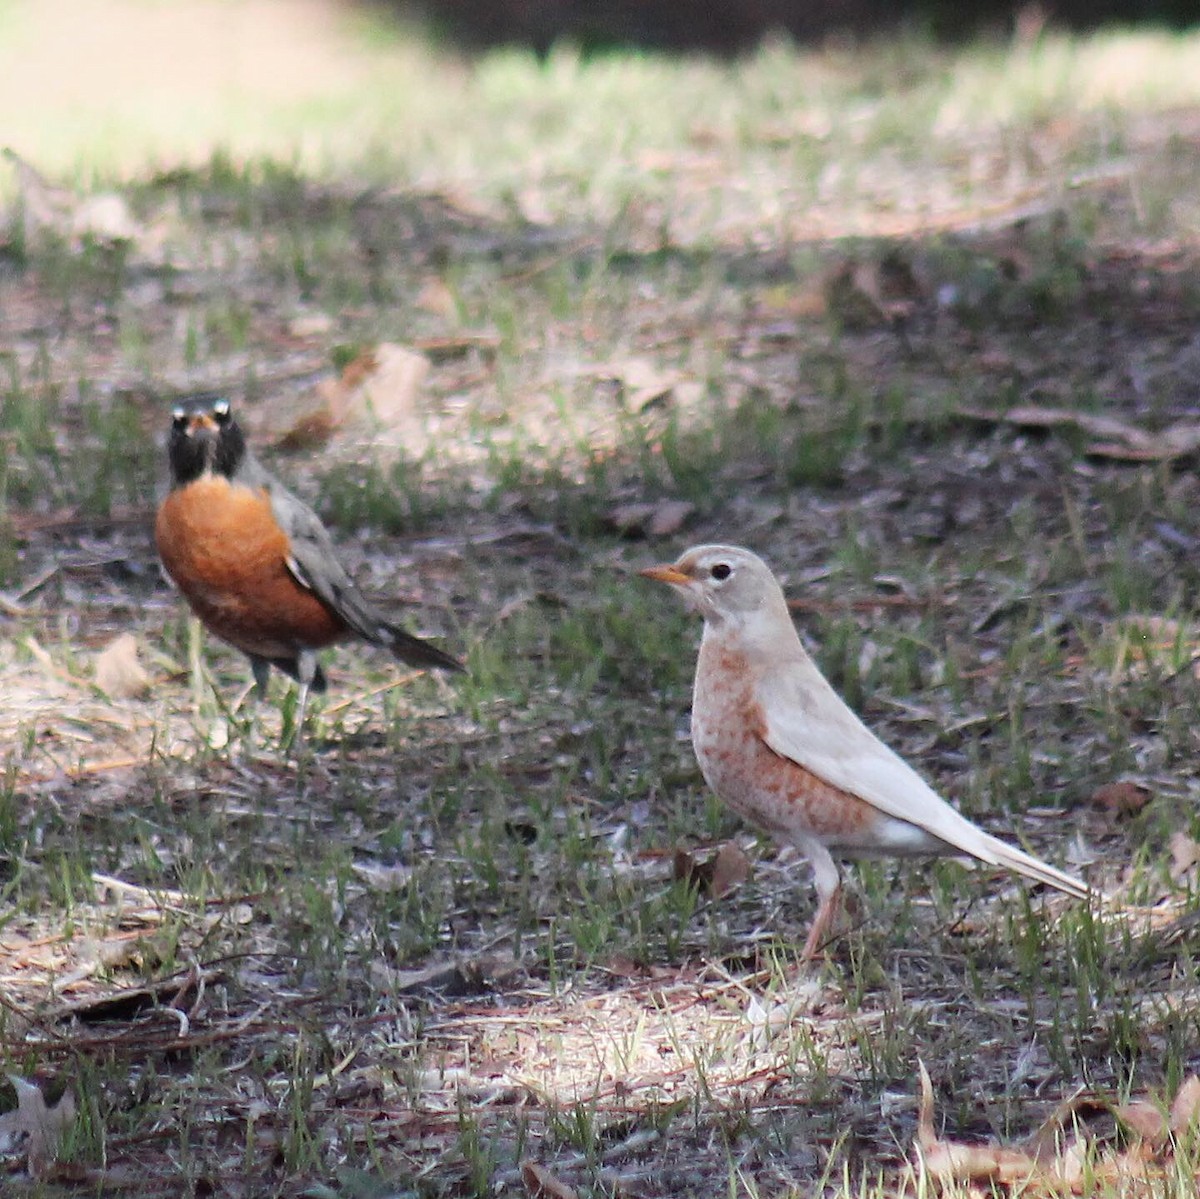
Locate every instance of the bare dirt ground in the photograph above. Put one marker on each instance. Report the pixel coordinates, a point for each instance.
(940, 368)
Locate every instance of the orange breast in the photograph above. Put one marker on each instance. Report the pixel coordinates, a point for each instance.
(772, 791)
(221, 545)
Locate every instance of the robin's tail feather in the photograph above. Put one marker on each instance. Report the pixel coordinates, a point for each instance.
(1003, 854)
(416, 652)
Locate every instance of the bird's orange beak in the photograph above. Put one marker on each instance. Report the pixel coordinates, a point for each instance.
(666, 574)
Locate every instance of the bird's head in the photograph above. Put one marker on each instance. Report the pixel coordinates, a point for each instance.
(723, 583)
(205, 439)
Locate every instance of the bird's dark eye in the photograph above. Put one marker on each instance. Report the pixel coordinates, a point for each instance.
(722, 570)
(220, 412)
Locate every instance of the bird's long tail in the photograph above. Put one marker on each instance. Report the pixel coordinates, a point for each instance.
(1000, 853)
(416, 652)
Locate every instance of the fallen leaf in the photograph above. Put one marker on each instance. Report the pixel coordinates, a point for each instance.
(389, 380)
(43, 206)
(436, 297)
(641, 381)
(718, 875)
(954, 1161)
(41, 1128)
(119, 673)
(1144, 1118)
(307, 421)
(865, 295)
(1185, 854)
(377, 387)
(1113, 439)
(1062, 1161)
(669, 517)
(383, 878)
(1034, 416)
(730, 868)
(1186, 1108)
(541, 1184)
(661, 518)
(104, 218)
(445, 349)
(1121, 798)
(311, 324)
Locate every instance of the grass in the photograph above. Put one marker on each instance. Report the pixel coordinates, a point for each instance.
(449, 938)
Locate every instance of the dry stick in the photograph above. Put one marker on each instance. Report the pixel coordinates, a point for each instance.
(81, 771)
(333, 709)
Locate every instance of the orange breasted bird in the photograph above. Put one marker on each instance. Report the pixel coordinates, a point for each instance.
(255, 562)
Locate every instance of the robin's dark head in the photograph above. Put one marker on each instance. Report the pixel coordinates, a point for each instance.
(205, 439)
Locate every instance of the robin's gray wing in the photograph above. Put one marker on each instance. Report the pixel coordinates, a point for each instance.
(314, 563)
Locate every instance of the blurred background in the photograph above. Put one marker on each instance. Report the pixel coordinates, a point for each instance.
(88, 84)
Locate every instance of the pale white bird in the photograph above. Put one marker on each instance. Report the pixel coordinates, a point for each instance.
(780, 747)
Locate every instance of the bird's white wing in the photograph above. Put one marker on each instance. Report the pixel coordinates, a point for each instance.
(808, 722)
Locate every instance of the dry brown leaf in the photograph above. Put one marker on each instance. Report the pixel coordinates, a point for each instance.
(632, 518)
(950, 1161)
(436, 297)
(541, 1184)
(687, 868)
(378, 387)
(718, 875)
(119, 673)
(1121, 799)
(1055, 1166)
(864, 295)
(1114, 439)
(41, 1128)
(1185, 854)
(311, 324)
(389, 380)
(669, 517)
(730, 868)
(1180, 440)
(1144, 1118)
(1034, 416)
(641, 381)
(43, 206)
(445, 349)
(307, 421)
(1186, 1108)
(661, 518)
(104, 218)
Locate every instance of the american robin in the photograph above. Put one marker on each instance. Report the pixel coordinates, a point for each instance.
(778, 745)
(256, 564)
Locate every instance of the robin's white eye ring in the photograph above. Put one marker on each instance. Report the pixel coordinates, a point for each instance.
(722, 570)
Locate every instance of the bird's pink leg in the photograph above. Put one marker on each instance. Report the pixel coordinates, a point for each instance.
(818, 931)
(829, 895)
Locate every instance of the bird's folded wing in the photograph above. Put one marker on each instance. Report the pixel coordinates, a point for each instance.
(805, 720)
(314, 563)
